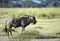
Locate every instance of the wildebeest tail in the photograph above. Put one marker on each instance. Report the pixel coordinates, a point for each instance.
(6, 27)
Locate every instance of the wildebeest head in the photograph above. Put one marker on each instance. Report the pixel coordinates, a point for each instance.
(32, 19)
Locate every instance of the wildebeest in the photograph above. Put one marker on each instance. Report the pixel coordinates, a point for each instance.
(21, 21)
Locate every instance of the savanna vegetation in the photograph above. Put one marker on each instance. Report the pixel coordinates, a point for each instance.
(38, 12)
(29, 3)
(48, 22)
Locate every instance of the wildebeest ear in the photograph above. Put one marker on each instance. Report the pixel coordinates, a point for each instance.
(31, 17)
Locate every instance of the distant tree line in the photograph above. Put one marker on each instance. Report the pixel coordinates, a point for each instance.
(29, 3)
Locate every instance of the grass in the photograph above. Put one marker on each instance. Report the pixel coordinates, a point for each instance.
(48, 26)
(29, 34)
(38, 12)
(33, 34)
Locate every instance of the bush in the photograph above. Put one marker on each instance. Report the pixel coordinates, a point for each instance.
(33, 34)
(28, 34)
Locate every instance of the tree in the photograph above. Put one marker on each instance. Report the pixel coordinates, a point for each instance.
(27, 3)
(0, 3)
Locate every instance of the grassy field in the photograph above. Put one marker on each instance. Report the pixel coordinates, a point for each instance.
(38, 12)
(48, 22)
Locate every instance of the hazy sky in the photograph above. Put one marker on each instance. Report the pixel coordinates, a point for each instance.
(36, 1)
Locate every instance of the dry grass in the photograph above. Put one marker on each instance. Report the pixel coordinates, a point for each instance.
(47, 27)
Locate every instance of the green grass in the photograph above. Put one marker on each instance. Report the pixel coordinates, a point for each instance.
(38, 12)
(33, 34)
(48, 26)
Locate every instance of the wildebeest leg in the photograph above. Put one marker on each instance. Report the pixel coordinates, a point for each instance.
(23, 25)
(10, 30)
(23, 28)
